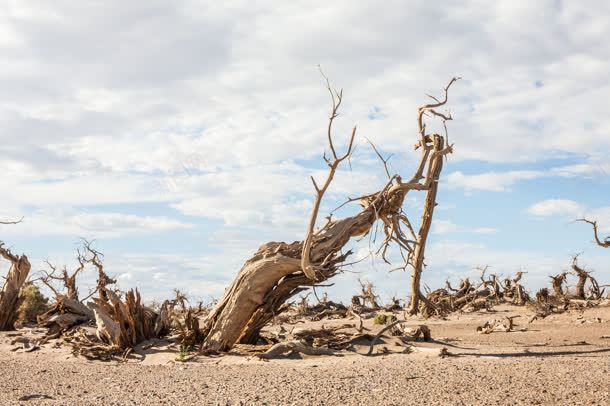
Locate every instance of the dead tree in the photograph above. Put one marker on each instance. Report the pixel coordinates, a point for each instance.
(68, 280)
(514, 291)
(604, 243)
(10, 296)
(367, 295)
(557, 282)
(68, 311)
(94, 257)
(583, 277)
(279, 270)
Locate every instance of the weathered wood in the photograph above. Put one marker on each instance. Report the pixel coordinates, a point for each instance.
(65, 314)
(124, 324)
(297, 346)
(436, 165)
(10, 296)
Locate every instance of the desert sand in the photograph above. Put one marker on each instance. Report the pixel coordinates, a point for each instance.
(561, 359)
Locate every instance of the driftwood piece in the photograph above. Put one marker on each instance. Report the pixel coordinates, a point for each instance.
(294, 346)
(495, 325)
(63, 315)
(422, 331)
(10, 296)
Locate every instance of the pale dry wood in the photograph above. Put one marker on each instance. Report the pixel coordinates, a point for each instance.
(125, 323)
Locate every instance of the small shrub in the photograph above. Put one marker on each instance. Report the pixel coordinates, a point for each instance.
(183, 353)
(34, 304)
(381, 319)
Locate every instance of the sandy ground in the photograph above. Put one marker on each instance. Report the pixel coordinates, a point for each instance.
(563, 359)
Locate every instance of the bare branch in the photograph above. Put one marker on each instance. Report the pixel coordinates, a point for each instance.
(384, 161)
(306, 265)
(605, 243)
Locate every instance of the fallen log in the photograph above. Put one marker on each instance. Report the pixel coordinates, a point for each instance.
(294, 346)
(65, 314)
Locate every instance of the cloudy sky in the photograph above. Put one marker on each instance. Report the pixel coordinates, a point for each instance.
(181, 135)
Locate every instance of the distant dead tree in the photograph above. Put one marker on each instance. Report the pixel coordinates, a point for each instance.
(279, 270)
(68, 280)
(10, 296)
(604, 243)
(583, 277)
(557, 282)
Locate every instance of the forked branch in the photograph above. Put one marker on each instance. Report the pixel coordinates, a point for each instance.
(333, 163)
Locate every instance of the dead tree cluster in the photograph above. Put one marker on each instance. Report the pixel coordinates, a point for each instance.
(586, 292)
(482, 294)
(121, 320)
(275, 273)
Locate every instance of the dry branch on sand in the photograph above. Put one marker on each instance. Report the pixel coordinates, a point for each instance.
(280, 270)
(498, 325)
(10, 296)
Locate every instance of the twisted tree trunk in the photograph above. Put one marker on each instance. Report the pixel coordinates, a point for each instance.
(272, 276)
(10, 298)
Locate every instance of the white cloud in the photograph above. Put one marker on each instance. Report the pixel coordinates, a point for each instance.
(485, 230)
(496, 181)
(553, 207)
(441, 226)
(489, 181)
(92, 224)
(572, 210)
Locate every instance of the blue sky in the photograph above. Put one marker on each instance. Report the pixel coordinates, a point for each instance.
(182, 136)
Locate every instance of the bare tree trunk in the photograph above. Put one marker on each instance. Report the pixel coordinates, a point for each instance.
(582, 278)
(422, 236)
(557, 283)
(10, 299)
(271, 277)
